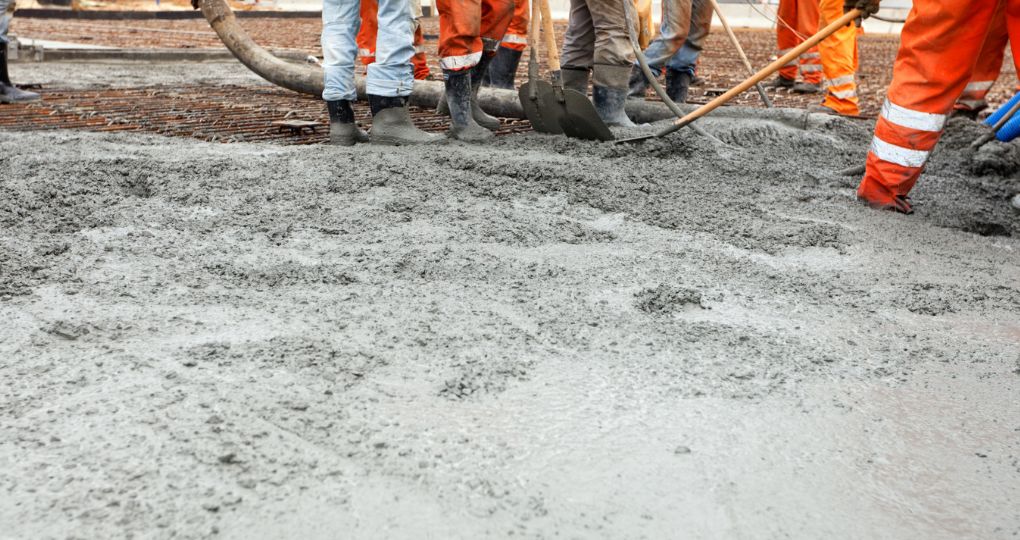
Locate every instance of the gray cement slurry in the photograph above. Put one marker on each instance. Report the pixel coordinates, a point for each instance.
(540, 337)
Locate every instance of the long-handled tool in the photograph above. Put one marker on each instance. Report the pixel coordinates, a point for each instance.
(740, 51)
(810, 42)
(528, 92)
(635, 43)
(561, 110)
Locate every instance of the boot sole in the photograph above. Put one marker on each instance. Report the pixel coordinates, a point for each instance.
(387, 140)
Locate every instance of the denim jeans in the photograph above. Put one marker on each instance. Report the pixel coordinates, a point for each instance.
(681, 35)
(391, 74)
(5, 19)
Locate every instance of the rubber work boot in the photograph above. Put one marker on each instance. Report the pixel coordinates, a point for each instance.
(481, 117)
(503, 69)
(780, 82)
(609, 103)
(391, 123)
(342, 129)
(822, 109)
(805, 88)
(638, 83)
(8, 92)
(575, 79)
(458, 98)
(677, 83)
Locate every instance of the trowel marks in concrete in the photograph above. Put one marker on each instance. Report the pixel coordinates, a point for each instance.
(541, 337)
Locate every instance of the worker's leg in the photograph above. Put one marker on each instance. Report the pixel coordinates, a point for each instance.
(578, 52)
(503, 68)
(460, 27)
(8, 92)
(613, 60)
(701, 25)
(989, 63)
(938, 49)
(839, 61)
(496, 17)
(810, 63)
(419, 61)
(369, 31)
(787, 39)
(390, 75)
(340, 24)
(680, 68)
(676, 23)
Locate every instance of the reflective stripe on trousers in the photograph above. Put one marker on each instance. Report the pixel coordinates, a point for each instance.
(939, 43)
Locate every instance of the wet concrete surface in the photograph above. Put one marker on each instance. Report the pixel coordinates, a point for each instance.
(539, 338)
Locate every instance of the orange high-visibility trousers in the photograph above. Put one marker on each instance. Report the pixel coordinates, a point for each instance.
(939, 46)
(516, 36)
(467, 28)
(989, 64)
(370, 29)
(839, 60)
(798, 20)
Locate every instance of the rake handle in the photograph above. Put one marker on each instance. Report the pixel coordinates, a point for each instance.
(810, 42)
(740, 51)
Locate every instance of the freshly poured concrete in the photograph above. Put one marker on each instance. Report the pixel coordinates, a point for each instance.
(539, 338)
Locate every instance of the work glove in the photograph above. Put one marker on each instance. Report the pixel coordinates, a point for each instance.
(867, 7)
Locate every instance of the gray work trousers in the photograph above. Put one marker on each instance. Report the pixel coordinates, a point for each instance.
(685, 25)
(597, 39)
(6, 12)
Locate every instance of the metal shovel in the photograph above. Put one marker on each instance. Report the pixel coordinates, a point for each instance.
(562, 110)
(528, 93)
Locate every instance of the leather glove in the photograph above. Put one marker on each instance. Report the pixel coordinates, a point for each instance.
(867, 7)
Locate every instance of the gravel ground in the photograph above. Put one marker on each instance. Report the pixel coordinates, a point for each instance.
(540, 338)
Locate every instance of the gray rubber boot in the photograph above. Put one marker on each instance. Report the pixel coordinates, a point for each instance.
(8, 92)
(459, 95)
(391, 123)
(503, 69)
(481, 117)
(609, 103)
(576, 79)
(677, 83)
(342, 129)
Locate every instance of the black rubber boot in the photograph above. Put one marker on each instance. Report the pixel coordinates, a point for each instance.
(342, 129)
(459, 95)
(780, 82)
(391, 123)
(576, 79)
(503, 69)
(8, 92)
(806, 88)
(609, 103)
(638, 82)
(483, 118)
(677, 83)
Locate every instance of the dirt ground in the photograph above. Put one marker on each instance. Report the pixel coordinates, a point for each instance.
(536, 338)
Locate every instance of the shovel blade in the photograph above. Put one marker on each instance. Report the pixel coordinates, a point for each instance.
(530, 102)
(553, 110)
(581, 120)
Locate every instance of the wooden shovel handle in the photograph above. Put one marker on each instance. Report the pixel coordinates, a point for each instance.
(810, 42)
(549, 34)
(532, 27)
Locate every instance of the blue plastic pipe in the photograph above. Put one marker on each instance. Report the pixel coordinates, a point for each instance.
(1009, 131)
(995, 117)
